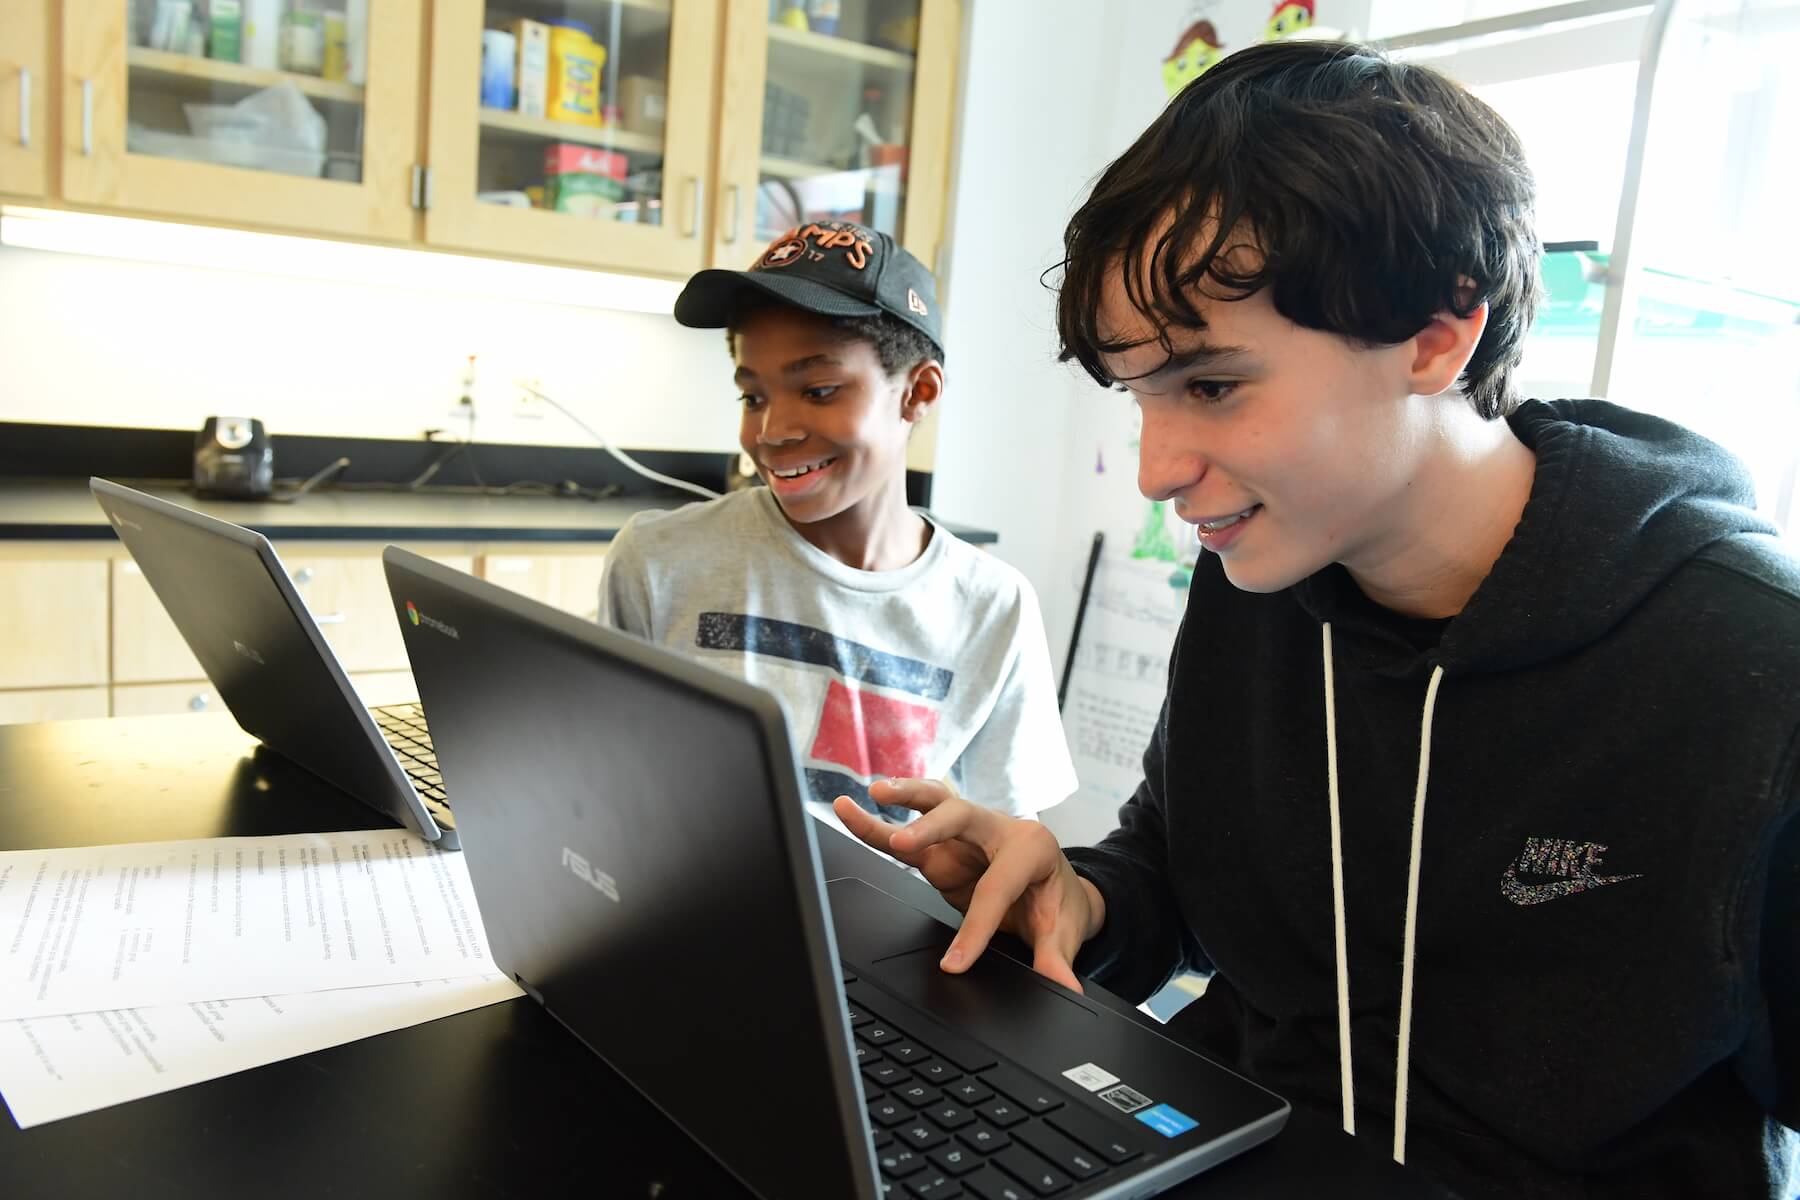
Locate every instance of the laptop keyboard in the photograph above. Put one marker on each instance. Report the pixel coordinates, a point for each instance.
(949, 1118)
(403, 725)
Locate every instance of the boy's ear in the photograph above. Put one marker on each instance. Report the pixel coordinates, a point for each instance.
(924, 387)
(1443, 348)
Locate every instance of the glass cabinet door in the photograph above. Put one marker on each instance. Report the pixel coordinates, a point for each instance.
(573, 130)
(853, 102)
(288, 113)
(24, 96)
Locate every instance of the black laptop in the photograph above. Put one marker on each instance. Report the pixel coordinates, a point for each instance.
(634, 829)
(226, 591)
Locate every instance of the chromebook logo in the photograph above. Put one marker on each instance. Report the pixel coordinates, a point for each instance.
(430, 622)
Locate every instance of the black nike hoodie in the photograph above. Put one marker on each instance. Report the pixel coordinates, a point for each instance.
(1605, 961)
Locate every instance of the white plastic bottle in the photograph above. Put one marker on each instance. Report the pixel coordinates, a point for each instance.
(356, 69)
(262, 34)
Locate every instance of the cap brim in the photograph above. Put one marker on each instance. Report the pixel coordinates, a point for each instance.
(712, 299)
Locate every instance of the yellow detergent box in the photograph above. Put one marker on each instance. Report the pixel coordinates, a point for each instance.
(575, 62)
(584, 180)
(531, 67)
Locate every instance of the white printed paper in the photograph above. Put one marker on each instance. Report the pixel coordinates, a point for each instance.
(56, 1067)
(136, 926)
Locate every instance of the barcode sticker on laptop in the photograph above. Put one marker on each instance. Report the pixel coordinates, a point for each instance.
(1091, 1077)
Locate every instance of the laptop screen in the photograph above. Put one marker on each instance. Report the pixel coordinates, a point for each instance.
(634, 829)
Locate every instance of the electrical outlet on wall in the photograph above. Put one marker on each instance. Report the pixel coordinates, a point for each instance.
(526, 404)
(463, 410)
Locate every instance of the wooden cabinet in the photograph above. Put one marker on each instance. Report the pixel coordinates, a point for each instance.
(52, 704)
(159, 699)
(569, 581)
(689, 168)
(82, 633)
(53, 622)
(345, 592)
(132, 137)
(24, 98)
(852, 123)
(649, 215)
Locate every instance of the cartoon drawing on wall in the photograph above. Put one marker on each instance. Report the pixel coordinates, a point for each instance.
(1158, 541)
(1196, 49)
(1153, 540)
(1289, 18)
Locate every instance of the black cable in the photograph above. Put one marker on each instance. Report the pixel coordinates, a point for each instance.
(318, 477)
(1087, 588)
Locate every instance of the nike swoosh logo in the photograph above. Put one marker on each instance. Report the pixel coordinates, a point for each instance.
(1524, 894)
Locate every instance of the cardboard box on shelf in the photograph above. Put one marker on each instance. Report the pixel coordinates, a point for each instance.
(584, 180)
(643, 104)
(532, 70)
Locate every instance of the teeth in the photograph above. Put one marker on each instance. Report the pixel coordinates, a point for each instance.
(1226, 522)
(797, 472)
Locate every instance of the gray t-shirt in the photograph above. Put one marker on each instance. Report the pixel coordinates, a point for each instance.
(937, 670)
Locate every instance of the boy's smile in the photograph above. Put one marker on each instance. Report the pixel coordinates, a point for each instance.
(797, 479)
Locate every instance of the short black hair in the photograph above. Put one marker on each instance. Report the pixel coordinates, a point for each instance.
(898, 346)
(1370, 189)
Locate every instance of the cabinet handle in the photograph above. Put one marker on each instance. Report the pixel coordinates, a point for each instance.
(304, 575)
(25, 107)
(87, 118)
(731, 210)
(693, 190)
(198, 702)
(336, 618)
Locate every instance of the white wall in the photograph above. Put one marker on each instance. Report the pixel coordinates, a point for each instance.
(97, 341)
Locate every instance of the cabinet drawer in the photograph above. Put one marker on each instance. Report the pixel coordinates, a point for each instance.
(158, 699)
(570, 582)
(52, 704)
(52, 623)
(349, 599)
(378, 688)
(347, 596)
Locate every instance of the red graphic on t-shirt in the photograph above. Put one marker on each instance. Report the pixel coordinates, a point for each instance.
(874, 735)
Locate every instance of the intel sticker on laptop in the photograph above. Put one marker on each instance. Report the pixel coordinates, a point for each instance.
(1170, 1122)
(1125, 1098)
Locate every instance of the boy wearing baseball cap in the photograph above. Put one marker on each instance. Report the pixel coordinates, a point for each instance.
(897, 648)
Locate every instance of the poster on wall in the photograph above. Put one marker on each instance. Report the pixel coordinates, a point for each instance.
(1200, 44)
(1120, 664)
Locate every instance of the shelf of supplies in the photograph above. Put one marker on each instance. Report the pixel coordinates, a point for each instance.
(188, 71)
(542, 10)
(836, 47)
(793, 168)
(610, 137)
(883, 178)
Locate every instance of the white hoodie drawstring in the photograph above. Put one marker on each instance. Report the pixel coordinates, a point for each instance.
(1337, 895)
(1412, 905)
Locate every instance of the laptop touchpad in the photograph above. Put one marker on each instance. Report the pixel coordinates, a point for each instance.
(998, 1001)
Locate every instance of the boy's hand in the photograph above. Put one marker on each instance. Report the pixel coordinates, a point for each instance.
(999, 871)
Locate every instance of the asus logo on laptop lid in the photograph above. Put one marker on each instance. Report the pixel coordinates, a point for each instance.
(595, 878)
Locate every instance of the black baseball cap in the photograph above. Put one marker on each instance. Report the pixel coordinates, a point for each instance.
(833, 268)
